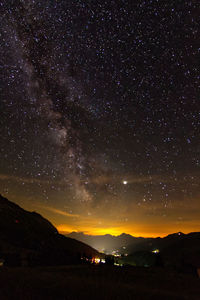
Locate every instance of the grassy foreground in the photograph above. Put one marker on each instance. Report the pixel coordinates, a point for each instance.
(96, 282)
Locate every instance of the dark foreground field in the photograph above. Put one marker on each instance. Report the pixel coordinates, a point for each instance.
(96, 282)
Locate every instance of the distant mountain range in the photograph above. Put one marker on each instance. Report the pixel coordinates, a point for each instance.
(28, 238)
(127, 244)
(178, 250)
(107, 243)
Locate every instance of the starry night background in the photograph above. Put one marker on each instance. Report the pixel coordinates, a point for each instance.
(100, 113)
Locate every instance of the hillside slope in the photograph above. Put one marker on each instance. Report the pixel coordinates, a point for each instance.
(28, 234)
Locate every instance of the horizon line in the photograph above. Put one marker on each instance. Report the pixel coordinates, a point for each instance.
(137, 236)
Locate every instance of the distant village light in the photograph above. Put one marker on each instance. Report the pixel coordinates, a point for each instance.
(1, 262)
(96, 260)
(156, 251)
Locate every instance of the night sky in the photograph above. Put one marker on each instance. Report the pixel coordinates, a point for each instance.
(100, 113)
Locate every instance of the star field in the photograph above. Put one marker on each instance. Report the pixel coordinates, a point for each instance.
(100, 113)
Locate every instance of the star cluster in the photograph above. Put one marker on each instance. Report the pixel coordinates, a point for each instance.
(100, 113)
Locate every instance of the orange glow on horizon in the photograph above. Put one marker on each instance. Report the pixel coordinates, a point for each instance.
(64, 229)
(140, 226)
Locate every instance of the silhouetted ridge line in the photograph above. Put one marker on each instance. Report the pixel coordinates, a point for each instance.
(31, 236)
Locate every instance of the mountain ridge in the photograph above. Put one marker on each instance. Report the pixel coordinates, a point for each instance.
(28, 234)
(126, 243)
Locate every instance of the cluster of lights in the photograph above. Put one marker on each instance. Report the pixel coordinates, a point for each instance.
(97, 260)
(116, 253)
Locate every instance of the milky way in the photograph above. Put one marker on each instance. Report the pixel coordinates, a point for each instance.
(100, 113)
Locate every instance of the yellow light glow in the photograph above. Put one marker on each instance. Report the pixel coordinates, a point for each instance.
(65, 229)
(132, 228)
(156, 251)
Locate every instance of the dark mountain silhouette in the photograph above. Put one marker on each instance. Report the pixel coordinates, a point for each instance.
(107, 243)
(28, 237)
(126, 243)
(173, 241)
(178, 250)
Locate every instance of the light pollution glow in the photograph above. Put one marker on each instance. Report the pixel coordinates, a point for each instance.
(137, 220)
(149, 232)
